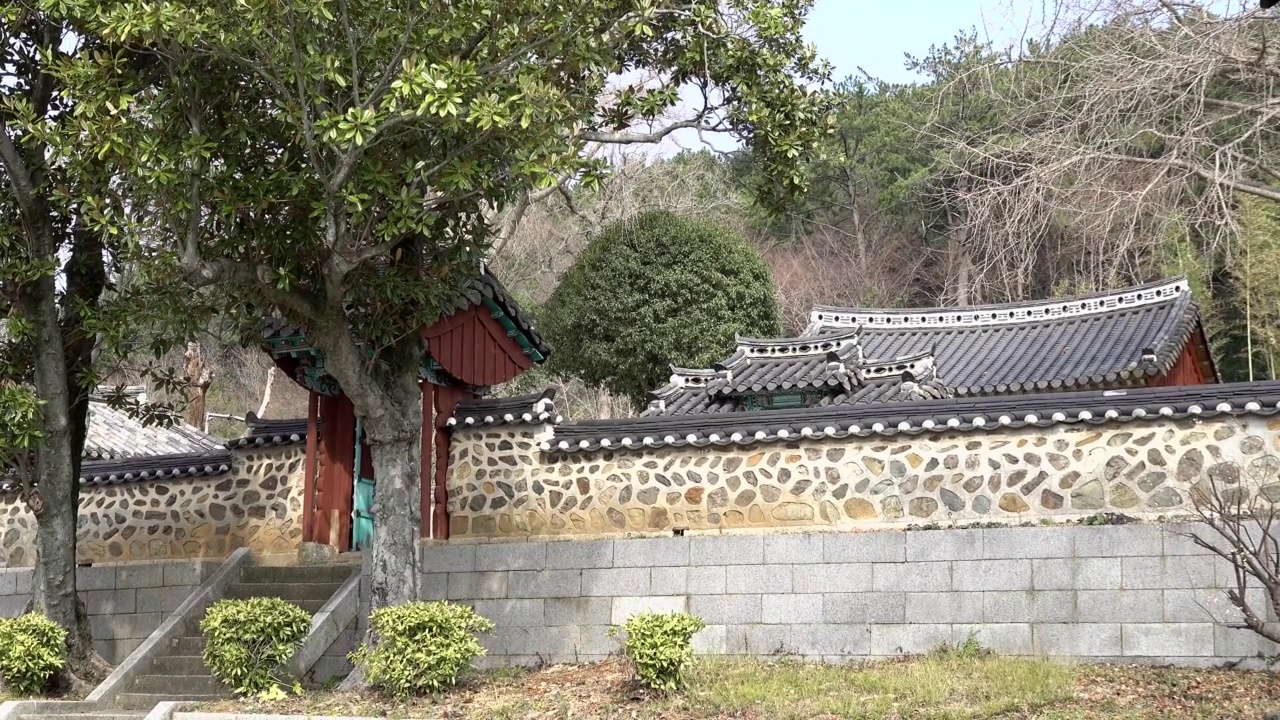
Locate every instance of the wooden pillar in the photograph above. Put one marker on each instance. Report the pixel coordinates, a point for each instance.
(333, 503)
(310, 468)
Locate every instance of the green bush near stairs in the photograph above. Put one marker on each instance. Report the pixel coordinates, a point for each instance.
(421, 646)
(32, 649)
(248, 642)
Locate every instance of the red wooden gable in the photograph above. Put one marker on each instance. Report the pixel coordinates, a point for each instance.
(474, 347)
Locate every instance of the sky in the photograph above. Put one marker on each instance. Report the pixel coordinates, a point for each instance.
(874, 35)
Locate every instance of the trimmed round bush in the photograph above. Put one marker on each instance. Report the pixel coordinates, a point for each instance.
(32, 649)
(660, 646)
(653, 291)
(421, 647)
(248, 642)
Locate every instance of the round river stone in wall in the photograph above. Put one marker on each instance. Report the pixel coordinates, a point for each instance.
(860, 509)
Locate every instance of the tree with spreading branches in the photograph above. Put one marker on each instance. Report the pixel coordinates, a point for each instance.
(339, 161)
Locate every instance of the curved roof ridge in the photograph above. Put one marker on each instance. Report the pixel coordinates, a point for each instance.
(823, 316)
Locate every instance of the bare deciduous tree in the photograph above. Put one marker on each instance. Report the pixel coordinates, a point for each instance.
(1126, 121)
(1237, 506)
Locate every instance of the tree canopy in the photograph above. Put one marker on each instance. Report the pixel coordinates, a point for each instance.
(652, 291)
(341, 162)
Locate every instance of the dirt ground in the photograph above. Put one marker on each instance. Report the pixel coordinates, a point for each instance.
(927, 687)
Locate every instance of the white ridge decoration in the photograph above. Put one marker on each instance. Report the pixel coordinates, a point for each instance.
(1224, 407)
(1166, 411)
(904, 426)
(1195, 410)
(1059, 417)
(953, 422)
(1139, 412)
(1252, 406)
(1030, 312)
(877, 427)
(1085, 415)
(929, 424)
(1031, 419)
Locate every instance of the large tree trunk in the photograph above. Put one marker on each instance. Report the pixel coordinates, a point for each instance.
(54, 499)
(389, 405)
(86, 280)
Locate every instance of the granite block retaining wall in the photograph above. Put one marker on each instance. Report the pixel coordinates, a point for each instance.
(1133, 593)
(126, 601)
(502, 484)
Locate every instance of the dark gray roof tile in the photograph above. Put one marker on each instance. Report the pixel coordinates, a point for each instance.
(519, 410)
(929, 416)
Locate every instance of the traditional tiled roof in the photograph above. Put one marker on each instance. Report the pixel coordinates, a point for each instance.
(831, 366)
(1106, 340)
(485, 289)
(114, 434)
(157, 467)
(268, 433)
(973, 414)
(1102, 340)
(519, 410)
(120, 448)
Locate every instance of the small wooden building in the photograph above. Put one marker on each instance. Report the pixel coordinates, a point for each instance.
(485, 340)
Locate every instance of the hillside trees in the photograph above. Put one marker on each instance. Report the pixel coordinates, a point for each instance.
(1130, 125)
(652, 291)
(337, 160)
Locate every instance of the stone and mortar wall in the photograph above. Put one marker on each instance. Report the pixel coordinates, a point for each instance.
(1133, 593)
(502, 485)
(126, 601)
(257, 504)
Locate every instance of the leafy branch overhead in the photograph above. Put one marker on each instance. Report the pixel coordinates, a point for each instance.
(295, 148)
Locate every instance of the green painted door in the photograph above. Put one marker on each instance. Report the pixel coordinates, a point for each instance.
(362, 512)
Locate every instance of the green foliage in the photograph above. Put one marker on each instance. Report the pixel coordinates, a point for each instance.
(32, 649)
(247, 642)
(659, 646)
(653, 291)
(421, 646)
(970, 649)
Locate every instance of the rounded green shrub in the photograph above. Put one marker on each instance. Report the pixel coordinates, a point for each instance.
(659, 646)
(653, 291)
(32, 649)
(421, 646)
(247, 642)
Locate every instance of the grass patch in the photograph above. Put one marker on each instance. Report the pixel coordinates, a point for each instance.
(941, 686)
(962, 682)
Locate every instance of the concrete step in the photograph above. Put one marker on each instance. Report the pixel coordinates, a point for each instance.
(145, 702)
(337, 574)
(187, 646)
(105, 715)
(293, 592)
(178, 665)
(179, 684)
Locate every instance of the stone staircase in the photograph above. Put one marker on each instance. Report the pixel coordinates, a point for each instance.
(179, 673)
